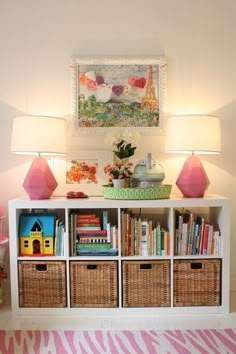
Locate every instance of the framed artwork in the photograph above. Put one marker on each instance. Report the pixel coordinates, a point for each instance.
(82, 170)
(118, 92)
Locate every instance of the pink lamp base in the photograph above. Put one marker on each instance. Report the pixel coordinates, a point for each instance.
(39, 182)
(193, 180)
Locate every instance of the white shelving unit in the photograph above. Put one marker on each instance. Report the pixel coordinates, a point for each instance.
(213, 207)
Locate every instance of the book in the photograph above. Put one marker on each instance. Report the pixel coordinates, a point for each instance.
(88, 228)
(210, 240)
(86, 216)
(137, 236)
(93, 245)
(158, 240)
(144, 238)
(196, 236)
(201, 233)
(114, 236)
(205, 239)
(108, 229)
(123, 233)
(92, 239)
(104, 219)
(97, 252)
(72, 233)
(128, 234)
(92, 232)
(217, 243)
(87, 224)
(178, 230)
(150, 238)
(59, 238)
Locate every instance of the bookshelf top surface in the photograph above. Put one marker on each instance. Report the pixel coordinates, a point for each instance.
(100, 202)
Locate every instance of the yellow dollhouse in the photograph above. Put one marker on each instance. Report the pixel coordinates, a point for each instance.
(36, 233)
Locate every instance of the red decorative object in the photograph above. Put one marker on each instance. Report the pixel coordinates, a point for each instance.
(72, 194)
(39, 182)
(193, 180)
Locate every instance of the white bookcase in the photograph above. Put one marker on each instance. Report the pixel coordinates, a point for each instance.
(213, 208)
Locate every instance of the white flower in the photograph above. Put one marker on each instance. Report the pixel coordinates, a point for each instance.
(129, 136)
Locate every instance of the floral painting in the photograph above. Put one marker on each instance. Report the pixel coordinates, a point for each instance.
(119, 94)
(82, 171)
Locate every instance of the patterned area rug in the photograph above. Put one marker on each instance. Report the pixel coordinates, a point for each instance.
(128, 342)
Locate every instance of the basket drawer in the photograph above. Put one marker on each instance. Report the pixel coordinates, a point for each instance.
(93, 284)
(42, 284)
(146, 283)
(197, 282)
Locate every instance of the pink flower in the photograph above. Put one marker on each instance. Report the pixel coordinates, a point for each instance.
(118, 170)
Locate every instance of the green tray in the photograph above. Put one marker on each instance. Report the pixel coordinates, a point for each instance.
(162, 192)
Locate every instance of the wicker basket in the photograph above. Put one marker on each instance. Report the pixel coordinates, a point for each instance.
(42, 284)
(146, 283)
(197, 282)
(94, 283)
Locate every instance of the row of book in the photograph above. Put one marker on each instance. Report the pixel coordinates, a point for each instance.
(195, 236)
(92, 235)
(143, 237)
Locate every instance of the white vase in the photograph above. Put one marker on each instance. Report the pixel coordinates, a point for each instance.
(118, 183)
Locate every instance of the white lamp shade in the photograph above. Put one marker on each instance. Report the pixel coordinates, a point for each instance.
(38, 135)
(193, 133)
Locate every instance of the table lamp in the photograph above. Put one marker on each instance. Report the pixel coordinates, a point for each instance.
(193, 134)
(39, 135)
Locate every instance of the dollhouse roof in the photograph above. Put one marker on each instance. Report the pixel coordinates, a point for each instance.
(44, 223)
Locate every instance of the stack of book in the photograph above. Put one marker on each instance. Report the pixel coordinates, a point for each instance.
(143, 237)
(89, 238)
(195, 236)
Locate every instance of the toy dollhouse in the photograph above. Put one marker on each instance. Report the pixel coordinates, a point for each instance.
(36, 234)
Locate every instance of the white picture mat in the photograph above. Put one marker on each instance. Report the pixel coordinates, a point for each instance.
(103, 157)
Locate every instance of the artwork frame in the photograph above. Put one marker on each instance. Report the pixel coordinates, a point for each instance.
(102, 157)
(88, 71)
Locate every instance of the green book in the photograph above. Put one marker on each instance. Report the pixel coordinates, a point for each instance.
(93, 245)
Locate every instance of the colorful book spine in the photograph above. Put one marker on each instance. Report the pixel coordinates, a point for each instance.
(144, 238)
(92, 239)
(92, 232)
(86, 216)
(104, 219)
(92, 245)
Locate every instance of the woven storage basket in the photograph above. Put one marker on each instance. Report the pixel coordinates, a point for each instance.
(42, 284)
(94, 283)
(197, 282)
(146, 283)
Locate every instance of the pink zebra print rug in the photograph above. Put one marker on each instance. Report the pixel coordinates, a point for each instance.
(206, 341)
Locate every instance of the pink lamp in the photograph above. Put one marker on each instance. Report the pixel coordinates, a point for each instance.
(39, 135)
(193, 134)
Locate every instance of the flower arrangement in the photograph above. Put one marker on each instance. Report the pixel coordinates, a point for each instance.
(81, 172)
(118, 170)
(123, 143)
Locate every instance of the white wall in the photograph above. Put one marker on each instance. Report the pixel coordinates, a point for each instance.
(38, 38)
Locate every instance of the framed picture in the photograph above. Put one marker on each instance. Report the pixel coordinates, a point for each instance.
(82, 170)
(116, 93)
